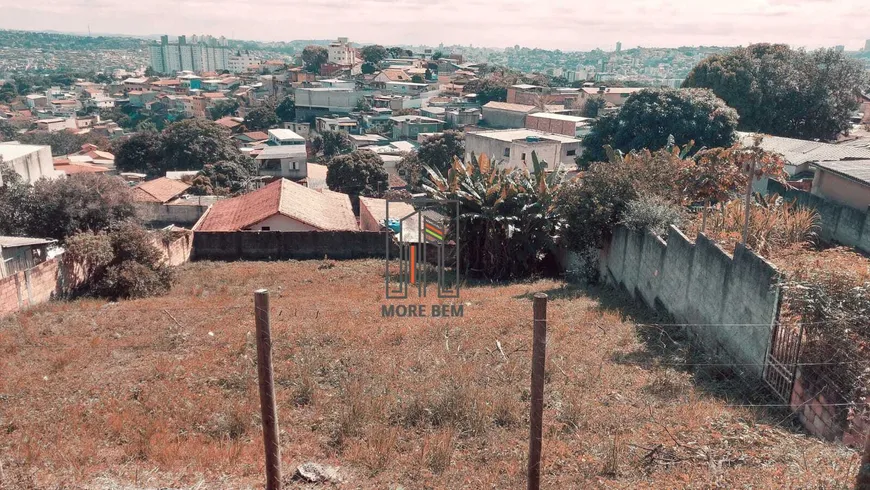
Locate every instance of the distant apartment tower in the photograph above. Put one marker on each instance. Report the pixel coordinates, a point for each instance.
(839, 48)
(618, 46)
(341, 52)
(867, 45)
(206, 54)
(243, 61)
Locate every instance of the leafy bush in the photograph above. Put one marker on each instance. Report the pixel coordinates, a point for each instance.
(360, 173)
(508, 219)
(774, 224)
(652, 213)
(121, 264)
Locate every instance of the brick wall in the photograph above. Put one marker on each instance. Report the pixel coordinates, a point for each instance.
(823, 412)
(51, 279)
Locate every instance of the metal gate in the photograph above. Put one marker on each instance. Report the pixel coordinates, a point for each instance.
(782, 359)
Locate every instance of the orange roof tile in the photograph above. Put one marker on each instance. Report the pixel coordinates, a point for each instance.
(78, 168)
(256, 135)
(229, 122)
(323, 210)
(159, 190)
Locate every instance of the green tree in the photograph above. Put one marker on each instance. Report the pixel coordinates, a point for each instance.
(223, 178)
(417, 79)
(262, 117)
(7, 131)
(488, 89)
(359, 173)
(61, 142)
(14, 202)
(313, 56)
(593, 106)
(784, 92)
(8, 92)
(333, 143)
(368, 68)
(286, 110)
(59, 208)
(193, 143)
(652, 117)
(410, 168)
(438, 151)
(223, 108)
(437, 55)
(141, 152)
(374, 53)
(396, 52)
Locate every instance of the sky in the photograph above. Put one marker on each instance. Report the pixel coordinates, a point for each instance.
(550, 24)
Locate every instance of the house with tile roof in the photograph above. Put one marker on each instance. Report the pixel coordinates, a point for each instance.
(282, 205)
(160, 190)
(845, 182)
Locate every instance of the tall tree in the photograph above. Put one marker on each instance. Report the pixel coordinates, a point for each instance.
(14, 202)
(593, 106)
(333, 143)
(652, 118)
(62, 207)
(262, 117)
(313, 56)
(223, 108)
(141, 152)
(7, 131)
(785, 92)
(193, 143)
(437, 151)
(488, 89)
(374, 53)
(359, 173)
(286, 110)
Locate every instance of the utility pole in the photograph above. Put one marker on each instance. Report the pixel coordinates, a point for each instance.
(748, 197)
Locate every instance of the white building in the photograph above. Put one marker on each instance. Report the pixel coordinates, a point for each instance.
(288, 161)
(243, 61)
(341, 52)
(513, 147)
(285, 137)
(169, 57)
(31, 162)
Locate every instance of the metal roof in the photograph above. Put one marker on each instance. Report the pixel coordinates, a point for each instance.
(857, 170)
(20, 241)
(798, 151)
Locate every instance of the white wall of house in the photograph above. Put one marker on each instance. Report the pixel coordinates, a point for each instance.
(29, 161)
(279, 222)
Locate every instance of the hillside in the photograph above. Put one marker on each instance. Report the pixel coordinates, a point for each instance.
(162, 392)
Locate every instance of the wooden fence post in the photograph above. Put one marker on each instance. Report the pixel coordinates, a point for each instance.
(267, 390)
(536, 413)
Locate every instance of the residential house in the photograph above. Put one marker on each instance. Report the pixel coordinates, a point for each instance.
(31, 162)
(527, 94)
(459, 118)
(614, 95)
(65, 107)
(282, 205)
(406, 88)
(140, 98)
(138, 83)
(21, 253)
(69, 167)
(288, 161)
(373, 213)
(55, 124)
(232, 123)
(506, 115)
(514, 147)
(408, 127)
(323, 101)
(358, 141)
(167, 85)
(846, 182)
(343, 124)
(160, 190)
(300, 128)
(337, 83)
(434, 112)
(284, 137)
(250, 138)
(36, 101)
(559, 123)
(391, 75)
(377, 119)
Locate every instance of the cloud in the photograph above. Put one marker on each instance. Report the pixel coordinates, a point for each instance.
(543, 23)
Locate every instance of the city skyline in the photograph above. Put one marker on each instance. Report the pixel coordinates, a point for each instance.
(547, 24)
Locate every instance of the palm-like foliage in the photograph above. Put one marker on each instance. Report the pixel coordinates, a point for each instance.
(508, 220)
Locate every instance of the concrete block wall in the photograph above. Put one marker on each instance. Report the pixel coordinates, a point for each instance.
(841, 224)
(277, 245)
(733, 302)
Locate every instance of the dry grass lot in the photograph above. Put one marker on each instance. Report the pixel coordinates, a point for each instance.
(162, 393)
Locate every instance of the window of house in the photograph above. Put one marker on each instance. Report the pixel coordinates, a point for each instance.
(266, 228)
(523, 157)
(507, 152)
(572, 152)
